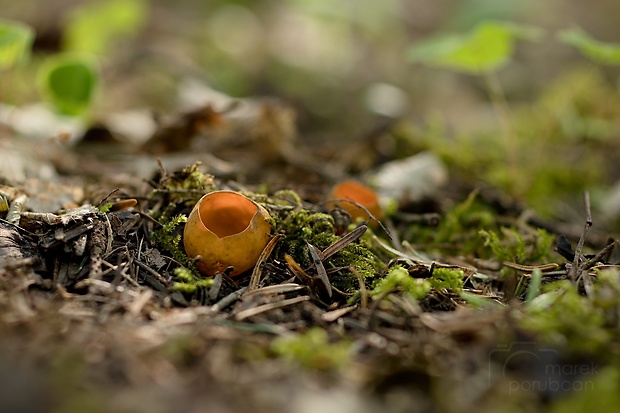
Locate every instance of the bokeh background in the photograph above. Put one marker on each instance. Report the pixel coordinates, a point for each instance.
(342, 65)
(340, 62)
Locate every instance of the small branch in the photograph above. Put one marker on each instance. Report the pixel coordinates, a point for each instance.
(242, 315)
(258, 268)
(574, 270)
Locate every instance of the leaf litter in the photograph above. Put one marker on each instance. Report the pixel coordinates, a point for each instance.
(116, 316)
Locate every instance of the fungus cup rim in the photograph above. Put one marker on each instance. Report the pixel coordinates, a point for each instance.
(237, 213)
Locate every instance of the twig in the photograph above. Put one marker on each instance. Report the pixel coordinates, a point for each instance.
(274, 289)
(320, 268)
(297, 271)
(103, 201)
(575, 267)
(343, 242)
(151, 271)
(372, 319)
(242, 315)
(363, 291)
(372, 217)
(258, 268)
(334, 315)
(594, 260)
(531, 268)
(226, 301)
(502, 111)
(214, 290)
(162, 171)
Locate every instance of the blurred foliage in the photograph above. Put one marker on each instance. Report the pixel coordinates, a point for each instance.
(510, 245)
(600, 52)
(15, 42)
(488, 47)
(580, 324)
(558, 142)
(69, 82)
(603, 394)
(313, 350)
(459, 227)
(93, 27)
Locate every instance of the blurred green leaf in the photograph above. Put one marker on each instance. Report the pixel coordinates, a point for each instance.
(94, 26)
(15, 42)
(600, 52)
(69, 82)
(488, 47)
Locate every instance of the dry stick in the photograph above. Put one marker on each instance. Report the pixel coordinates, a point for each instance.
(334, 315)
(362, 207)
(343, 242)
(226, 301)
(151, 271)
(574, 268)
(242, 315)
(162, 171)
(594, 260)
(274, 289)
(531, 268)
(103, 201)
(214, 290)
(110, 240)
(297, 271)
(258, 268)
(363, 291)
(320, 268)
(372, 319)
(502, 111)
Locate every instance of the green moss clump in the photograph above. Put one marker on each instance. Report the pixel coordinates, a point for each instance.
(285, 197)
(595, 393)
(398, 278)
(313, 350)
(317, 228)
(189, 278)
(188, 282)
(510, 245)
(190, 179)
(301, 225)
(447, 278)
(105, 207)
(462, 218)
(180, 191)
(169, 238)
(565, 319)
(458, 227)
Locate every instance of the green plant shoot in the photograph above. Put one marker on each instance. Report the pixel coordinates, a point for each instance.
(69, 83)
(93, 27)
(15, 43)
(599, 52)
(487, 48)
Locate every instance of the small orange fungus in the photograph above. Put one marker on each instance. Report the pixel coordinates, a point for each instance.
(350, 195)
(226, 229)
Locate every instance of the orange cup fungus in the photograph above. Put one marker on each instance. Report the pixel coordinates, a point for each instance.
(226, 229)
(359, 194)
